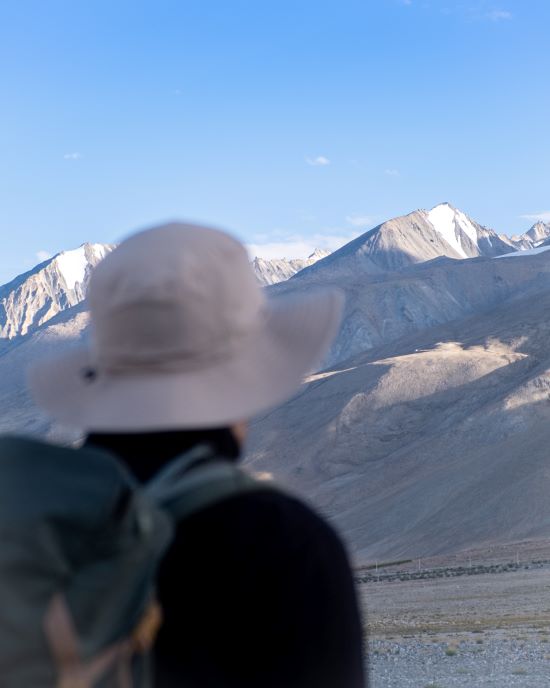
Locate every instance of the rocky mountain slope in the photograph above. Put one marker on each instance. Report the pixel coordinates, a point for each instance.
(19, 414)
(58, 283)
(434, 442)
(536, 236)
(414, 238)
(280, 269)
(383, 307)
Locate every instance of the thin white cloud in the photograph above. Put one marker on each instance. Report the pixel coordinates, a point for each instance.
(499, 15)
(299, 246)
(43, 255)
(391, 173)
(543, 216)
(72, 156)
(406, 2)
(319, 161)
(359, 220)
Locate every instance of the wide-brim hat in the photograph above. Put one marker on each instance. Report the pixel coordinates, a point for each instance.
(183, 337)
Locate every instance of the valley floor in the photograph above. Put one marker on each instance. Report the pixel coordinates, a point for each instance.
(491, 629)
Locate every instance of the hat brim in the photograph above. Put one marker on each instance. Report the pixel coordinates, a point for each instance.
(295, 335)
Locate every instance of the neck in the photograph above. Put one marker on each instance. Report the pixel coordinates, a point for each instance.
(145, 453)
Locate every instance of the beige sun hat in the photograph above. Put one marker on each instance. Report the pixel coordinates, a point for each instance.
(182, 336)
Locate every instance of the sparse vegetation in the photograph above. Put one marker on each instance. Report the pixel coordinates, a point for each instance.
(369, 574)
(473, 619)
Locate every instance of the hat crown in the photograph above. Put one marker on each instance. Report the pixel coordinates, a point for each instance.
(172, 295)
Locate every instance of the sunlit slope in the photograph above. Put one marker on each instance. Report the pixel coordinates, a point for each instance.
(437, 441)
(382, 308)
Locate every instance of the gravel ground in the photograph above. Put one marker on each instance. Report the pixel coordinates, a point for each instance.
(492, 658)
(480, 630)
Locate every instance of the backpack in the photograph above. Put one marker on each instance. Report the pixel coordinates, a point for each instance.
(81, 542)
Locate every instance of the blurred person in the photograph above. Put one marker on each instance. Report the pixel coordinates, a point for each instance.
(255, 588)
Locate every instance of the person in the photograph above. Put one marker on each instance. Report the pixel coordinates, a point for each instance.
(185, 348)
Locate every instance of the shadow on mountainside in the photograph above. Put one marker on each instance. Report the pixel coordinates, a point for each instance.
(430, 444)
(385, 308)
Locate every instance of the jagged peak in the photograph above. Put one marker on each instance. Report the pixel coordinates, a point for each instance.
(318, 253)
(445, 203)
(73, 264)
(541, 224)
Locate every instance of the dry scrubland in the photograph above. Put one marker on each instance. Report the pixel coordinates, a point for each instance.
(449, 625)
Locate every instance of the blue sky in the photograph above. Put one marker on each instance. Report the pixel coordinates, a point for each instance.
(292, 123)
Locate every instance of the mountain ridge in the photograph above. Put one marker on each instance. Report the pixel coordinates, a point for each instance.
(60, 282)
(410, 239)
(274, 270)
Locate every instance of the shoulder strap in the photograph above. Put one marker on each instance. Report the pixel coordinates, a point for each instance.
(199, 479)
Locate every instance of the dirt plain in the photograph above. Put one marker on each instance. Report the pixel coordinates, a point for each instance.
(478, 618)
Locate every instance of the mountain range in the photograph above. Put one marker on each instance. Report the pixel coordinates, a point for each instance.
(426, 430)
(272, 271)
(56, 284)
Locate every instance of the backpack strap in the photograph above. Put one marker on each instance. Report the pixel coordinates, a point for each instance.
(199, 479)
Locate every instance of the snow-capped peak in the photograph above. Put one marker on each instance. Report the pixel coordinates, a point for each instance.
(448, 221)
(54, 285)
(318, 254)
(73, 264)
(539, 232)
(525, 252)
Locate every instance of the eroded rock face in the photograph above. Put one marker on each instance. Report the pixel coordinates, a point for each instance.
(280, 269)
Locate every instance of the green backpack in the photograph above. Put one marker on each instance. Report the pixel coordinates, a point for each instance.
(81, 542)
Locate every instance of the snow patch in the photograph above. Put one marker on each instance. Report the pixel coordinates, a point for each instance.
(73, 264)
(527, 252)
(466, 226)
(443, 217)
(99, 250)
